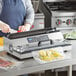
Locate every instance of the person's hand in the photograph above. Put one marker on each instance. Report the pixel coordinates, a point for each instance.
(24, 28)
(4, 27)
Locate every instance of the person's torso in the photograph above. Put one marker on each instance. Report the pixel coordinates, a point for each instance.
(1, 4)
(13, 13)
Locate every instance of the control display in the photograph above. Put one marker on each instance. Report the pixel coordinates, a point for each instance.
(38, 38)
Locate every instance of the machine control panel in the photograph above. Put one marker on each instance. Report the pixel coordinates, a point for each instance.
(38, 38)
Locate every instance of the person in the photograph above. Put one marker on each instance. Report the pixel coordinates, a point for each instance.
(15, 14)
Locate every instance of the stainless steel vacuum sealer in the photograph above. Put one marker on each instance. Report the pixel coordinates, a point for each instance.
(22, 44)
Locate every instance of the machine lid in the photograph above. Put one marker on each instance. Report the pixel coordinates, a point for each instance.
(31, 33)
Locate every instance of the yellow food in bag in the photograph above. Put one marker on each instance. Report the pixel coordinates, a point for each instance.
(1, 41)
(42, 53)
(49, 55)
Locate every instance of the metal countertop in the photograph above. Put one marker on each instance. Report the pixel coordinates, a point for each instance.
(30, 65)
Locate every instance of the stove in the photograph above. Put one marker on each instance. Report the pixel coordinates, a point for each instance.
(59, 14)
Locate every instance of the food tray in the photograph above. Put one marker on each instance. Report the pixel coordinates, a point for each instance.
(35, 55)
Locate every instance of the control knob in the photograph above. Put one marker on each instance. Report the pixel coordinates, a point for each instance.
(69, 21)
(74, 21)
(58, 22)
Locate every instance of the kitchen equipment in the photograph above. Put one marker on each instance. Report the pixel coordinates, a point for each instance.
(23, 43)
(38, 21)
(59, 13)
(39, 16)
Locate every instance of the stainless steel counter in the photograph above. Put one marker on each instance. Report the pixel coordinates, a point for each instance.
(30, 65)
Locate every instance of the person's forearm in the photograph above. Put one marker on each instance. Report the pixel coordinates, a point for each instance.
(4, 27)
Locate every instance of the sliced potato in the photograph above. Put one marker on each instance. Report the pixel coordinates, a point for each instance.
(56, 54)
(42, 53)
(48, 55)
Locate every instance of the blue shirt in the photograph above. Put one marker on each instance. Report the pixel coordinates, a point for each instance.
(29, 11)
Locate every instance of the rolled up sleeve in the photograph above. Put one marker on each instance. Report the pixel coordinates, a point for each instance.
(29, 12)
